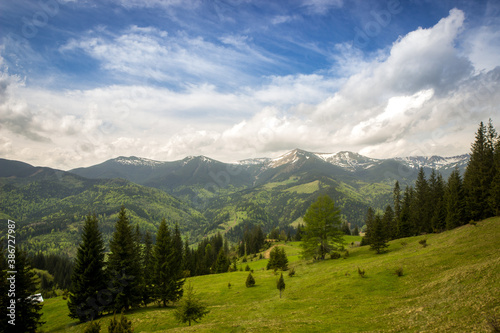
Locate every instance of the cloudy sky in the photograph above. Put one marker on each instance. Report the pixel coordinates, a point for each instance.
(84, 81)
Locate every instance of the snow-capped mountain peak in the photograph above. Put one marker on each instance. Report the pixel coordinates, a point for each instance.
(137, 161)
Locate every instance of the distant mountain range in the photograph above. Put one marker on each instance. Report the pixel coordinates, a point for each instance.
(203, 195)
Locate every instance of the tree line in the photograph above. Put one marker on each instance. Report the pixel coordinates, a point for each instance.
(136, 272)
(434, 205)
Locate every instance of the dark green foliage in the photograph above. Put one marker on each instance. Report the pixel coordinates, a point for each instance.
(247, 268)
(422, 214)
(277, 259)
(494, 323)
(148, 266)
(123, 325)
(404, 226)
(162, 257)
(399, 271)
(222, 263)
(495, 185)
(389, 223)
(379, 235)
(291, 272)
(4, 287)
(176, 279)
(361, 272)
(322, 232)
(479, 174)
(423, 242)
(356, 231)
(437, 201)
(92, 327)
(59, 266)
(28, 310)
(335, 255)
(346, 229)
(280, 284)
(88, 293)
(124, 265)
(250, 282)
(190, 308)
(369, 219)
(455, 201)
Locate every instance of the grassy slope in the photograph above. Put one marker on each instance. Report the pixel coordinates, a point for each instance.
(452, 285)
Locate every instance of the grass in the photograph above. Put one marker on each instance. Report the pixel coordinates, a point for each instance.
(452, 285)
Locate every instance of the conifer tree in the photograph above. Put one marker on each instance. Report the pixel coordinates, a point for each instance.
(454, 198)
(345, 228)
(162, 258)
(190, 308)
(28, 309)
(423, 207)
(479, 174)
(176, 265)
(356, 231)
(437, 185)
(404, 226)
(277, 259)
(281, 284)
(222, 263)
(250, 282)
(370, 217)
(123, 325)
(88, 282)
(148, 264)
(396, 197)
(124, 265)
(388, 222)
(322, 230)
(495, 185)
(378, 239)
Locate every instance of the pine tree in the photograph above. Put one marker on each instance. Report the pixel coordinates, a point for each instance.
(190, 308)
(222, 263)
(423, 207)
(322, 230)
(479, 174)
(176, 265)
(388, 221)
(250, 282)
(28, 310)
(124, 265)
(378, 240)
(370, 217)
(454, 200)
(88, 294)
(162, 258)
(404, 226)
(148, 264)
(494, 199)
(277, 259)
(438, 186)
(281, 284)
(396, 197)
(345, 228)
(356, 231)
(120, 326)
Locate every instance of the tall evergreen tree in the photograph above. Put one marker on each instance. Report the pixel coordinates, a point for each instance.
(162, 257)
(378, 238)
(388, 221)
(28, 309)
(222, 263)
(454, 199)
(176, 266)
(281, 284)
(437, 186)
(479, 174)
(322, 229)
(370, 217)
(495, 185)
(148, 264)
(396, 197)
(88, 282)
(124, 265)
(404, 226)
(423, 207)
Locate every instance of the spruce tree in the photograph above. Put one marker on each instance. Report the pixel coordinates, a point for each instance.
(222, 263)
(454, 200)
(148, 264)
(322, 230)
(438, 186)
(378, 239)
(28, 309)
(396, 197)
(190, 308)
(370, 217)
(124, 265)
(388, 221)
(479, 174)
(423, 207)
(281, 284)
(250, 282)
(88, 294)
(162, 258)
(176, 266)
(495, 185)
(404, 226)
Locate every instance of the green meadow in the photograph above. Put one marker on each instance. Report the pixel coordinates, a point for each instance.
(451, 285)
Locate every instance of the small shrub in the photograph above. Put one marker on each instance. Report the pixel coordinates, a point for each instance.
(361, 272)
(229, 285)
(423, 242)
(92, 327)
(247, 268)
(346, 254)
(474, 223)
(335, 255)
(244, 259)
(494, 323)
(250, 281)
(260, 256)
(123, 325)
(292, 272)
(65, 294)
(399, 271)
(404, 243)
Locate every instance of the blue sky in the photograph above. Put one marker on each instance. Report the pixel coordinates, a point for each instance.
(85, 81)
